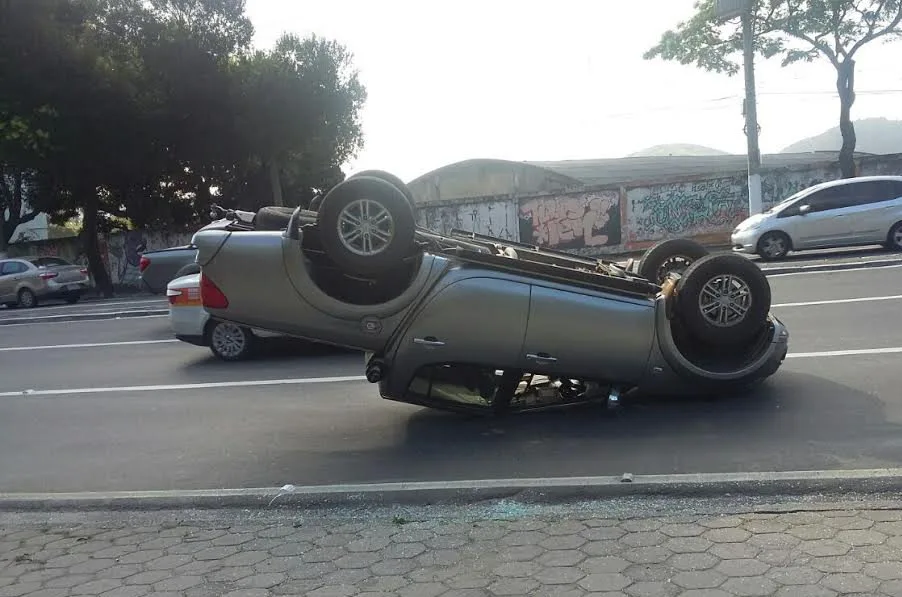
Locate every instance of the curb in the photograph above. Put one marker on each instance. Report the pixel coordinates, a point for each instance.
(536, 491)
(829, 267)
(83, 316)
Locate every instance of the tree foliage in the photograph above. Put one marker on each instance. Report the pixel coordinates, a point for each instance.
(794, 31)
(147, 111)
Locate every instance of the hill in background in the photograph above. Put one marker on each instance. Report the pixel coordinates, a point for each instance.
(676, 149)
(874, 135)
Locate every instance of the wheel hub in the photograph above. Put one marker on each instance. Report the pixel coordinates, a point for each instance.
(725, 300)
(365, 227)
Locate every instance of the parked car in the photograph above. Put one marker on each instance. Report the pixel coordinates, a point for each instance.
(158, 268)
(192, 324)
(27, 281)
(840, 213)
(463, 321)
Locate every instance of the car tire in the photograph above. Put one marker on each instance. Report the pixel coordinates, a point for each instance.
(27, 299)
(723, 299)
(392, 179)
(187, 270)
(894, 237)
(364, 200)
(656, 262)
(231, 342)
(773, 245)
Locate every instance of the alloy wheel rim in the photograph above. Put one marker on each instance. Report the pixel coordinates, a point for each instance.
(897, 237)
(228, 340)
(725, 300)
(365, 227)
(27, 299)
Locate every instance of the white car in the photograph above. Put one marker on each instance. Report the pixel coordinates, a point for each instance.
(841, 213)
(192, 324)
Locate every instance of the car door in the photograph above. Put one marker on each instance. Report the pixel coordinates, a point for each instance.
(478, 321)
(587, 334)
(824, 218)
(6, 281)
(10, 273)
(876, 210)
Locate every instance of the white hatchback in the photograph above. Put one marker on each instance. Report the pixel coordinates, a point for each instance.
(841, 213)
(191, 323)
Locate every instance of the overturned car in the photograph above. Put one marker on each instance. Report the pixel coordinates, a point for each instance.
(467, 322)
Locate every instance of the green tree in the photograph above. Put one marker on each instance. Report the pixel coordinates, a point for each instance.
(796, 31)
(298, 112)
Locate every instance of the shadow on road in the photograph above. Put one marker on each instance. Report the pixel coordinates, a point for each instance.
(828, 255)
(794, 422)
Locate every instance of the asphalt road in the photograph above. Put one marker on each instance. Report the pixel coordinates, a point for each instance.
(820, 411)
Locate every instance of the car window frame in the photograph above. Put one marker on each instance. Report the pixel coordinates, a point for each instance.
(13, 262)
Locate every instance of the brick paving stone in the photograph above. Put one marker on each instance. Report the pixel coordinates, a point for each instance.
(810, 553)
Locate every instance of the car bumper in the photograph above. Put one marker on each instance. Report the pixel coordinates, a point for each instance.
(745, 241)
(54, 290)
(188, 321)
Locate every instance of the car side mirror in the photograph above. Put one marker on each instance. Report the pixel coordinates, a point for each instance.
(804, 209)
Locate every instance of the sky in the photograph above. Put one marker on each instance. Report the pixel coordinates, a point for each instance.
(507, 79)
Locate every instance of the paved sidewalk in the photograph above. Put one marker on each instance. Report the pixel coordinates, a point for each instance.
(588, 550)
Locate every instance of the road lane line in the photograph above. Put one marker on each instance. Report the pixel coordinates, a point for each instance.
(873, 268)
(95, 305)
(844, 353)
(86, 345)
(837, 301)
(117, 319)
(187, 386)
(111, 314)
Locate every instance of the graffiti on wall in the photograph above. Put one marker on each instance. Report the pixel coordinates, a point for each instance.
(573, 221)
(685, 209)
(119, 251)
(493, 218)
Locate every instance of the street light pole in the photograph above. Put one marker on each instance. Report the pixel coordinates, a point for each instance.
(751, 115)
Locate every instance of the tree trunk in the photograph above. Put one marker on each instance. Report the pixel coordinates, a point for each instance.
(845, 85)
(91, 246)
(276, 183)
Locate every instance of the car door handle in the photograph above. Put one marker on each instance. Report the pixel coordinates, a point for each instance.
(428, 342)
(541, 358)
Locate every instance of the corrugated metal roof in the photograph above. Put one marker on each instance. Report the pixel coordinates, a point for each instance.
(633, 169)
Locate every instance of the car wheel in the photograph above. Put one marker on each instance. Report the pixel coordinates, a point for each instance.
(392, 179)
(723, 299)
(773, 245)
(367, 225)
(231, 342)
(670, 255)
(27, 299)
(894, 237)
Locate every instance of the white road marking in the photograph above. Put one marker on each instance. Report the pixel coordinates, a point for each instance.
(874, 268)
(86, 345)
(844, 353)
(13, 325)
(837, 301)
(97, 304)
(187, 386)
(95, 314)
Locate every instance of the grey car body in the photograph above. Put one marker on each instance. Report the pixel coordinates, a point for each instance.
(25, 281)
(159, 268)
(476, 313)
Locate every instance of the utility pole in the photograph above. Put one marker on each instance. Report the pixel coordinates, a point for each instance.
(725, 10)
(751, 114)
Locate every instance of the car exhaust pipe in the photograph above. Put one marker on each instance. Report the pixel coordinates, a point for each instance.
(375, 371)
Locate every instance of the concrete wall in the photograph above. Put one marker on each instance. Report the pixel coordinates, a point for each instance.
(119, 251)
(632, 217)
